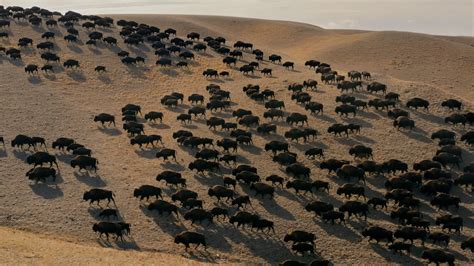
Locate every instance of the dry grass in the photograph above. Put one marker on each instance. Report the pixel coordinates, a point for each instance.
(63, 104)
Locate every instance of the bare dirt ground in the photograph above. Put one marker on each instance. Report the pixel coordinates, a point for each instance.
(19, 247)
(63, 105)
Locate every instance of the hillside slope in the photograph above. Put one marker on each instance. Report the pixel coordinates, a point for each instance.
(63, 104)
(444, 62)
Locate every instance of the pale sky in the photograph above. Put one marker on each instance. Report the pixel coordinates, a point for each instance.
(442, 17)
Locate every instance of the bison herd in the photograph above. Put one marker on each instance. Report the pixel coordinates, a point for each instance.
(432, 178)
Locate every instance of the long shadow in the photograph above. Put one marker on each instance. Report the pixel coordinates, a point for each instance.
(56, 48)
(77, 76)
(46, 191)
(92, 181)
(291, 195)
(136, 72)
(275, 209)
(65, 157)
(208, 180)
(22, 154)
(58, 68)
(184, 106)
(94, 212)
(464, 194)
(112, 48)
(169, 72)
(131, 244)
(251, 149)
(416, 136)
(394, 257)
(178, 109)
(340, 231)
(429, 117)
(94, 50)
(17, 62)
(146, 153)
(34, 79)
(270, 137)
(110, 131)
(223, 134)
(106, 29)
(361, 96)
(169, 224)
(38, 29)
(205, 54)
(325, 117)
(360, 122)
(224, 115)
(347, 141)
(240, 160)
(173, 166)
(141, 47)
(262, 245)
(364, 139)
(369, 115)
(75, 48)
(28, 50)
(222, 238)
(159, 126)
(189, 126)
(3, 152)
(105, 79)
(188, 150)
(50, 77)
(59, 178)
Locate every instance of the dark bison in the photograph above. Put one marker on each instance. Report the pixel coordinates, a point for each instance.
(418, 103)
(41, 173)
(105, 118)
(376, 87)
(188, 237)
(438, 256)
(97, 194)
(84, 162)
(31, 69)
(147, 191)
(378, 233)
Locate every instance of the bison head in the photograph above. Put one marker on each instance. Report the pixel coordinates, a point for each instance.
(95, 227)
(210, 192)
(175, 197)
(136, 193)
(179, 239)
(30, 159)
(288, 237)
(365, 233)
